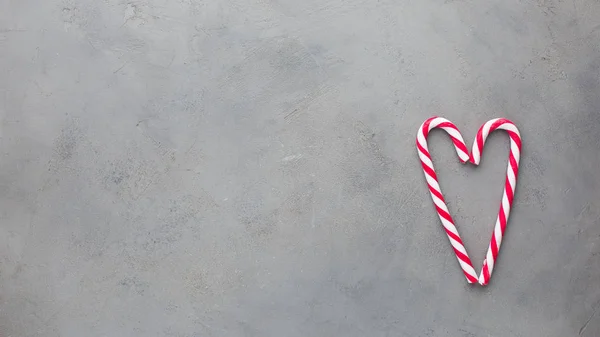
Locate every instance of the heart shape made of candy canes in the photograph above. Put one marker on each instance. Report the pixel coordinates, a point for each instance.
(474, 158)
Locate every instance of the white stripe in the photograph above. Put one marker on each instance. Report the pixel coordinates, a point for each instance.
(510, 127)
(454, 133)
(492, 121)
(511, 177)
(467, 268)
(457, 246)
(490, 261)
(421, 139)
(506, 214)
(482, 278)
(426, 160)
(449, 226)
(464, 157)
(515, 151)
(498, 234)
(437, 121)
(485, 131)
(476, 153)
(505, 205)
(439, 203)
(432, 182)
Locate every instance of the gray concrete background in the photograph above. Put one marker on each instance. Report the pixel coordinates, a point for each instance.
(247, 167)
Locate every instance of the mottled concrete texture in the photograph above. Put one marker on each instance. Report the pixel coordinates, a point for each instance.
(247, 167)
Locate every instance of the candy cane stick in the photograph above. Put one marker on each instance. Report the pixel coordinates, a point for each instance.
(436, 192)
(509, 186)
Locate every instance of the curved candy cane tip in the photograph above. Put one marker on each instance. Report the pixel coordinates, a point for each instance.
(464, 160)
(475, 159)
(425, 127)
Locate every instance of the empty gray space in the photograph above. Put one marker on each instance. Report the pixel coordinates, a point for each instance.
(248, 167)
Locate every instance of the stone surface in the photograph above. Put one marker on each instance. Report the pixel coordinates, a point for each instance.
(247, 168)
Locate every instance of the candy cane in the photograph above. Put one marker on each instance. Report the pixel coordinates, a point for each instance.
(474, 158)
(509, 186)
(436, 192)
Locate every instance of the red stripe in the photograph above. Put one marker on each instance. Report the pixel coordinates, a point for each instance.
(425, 128)
(470, 278)
(465, 259)
(460, 145)
(479, 140)
(436, 193)
(462, 256)
(447, 125)
(454, 236)
(515, 138)
(486, 273)
(429, 170)
(513, 164)
(446, 216)
(509, 192)
(498, 123)
(502, 219)
(423, 150)
(493, 246)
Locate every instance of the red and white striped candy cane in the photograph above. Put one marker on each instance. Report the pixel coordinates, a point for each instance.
(509, 186)
(436, 192)
(475, 158)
